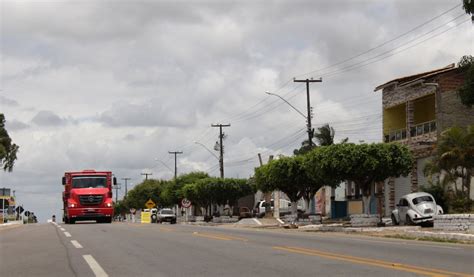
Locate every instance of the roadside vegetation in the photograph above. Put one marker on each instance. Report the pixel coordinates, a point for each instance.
(451, 170)
(8, 150)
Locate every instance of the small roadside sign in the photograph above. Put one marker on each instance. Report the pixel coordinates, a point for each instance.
(133, 210)
(150, 204)
(145, 217)
(185, 203)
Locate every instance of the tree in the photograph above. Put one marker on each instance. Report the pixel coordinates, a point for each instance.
(364, 164)
(172, 192)
(148, 189)
(285, 174)
(325, 135)
(8, 150)
(455, 159)
(466, 92)
(468, 6)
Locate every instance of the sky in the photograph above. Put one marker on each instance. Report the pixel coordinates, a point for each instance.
(115, 85)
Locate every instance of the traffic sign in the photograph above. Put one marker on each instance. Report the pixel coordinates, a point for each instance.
(133, 210)
(19, 209)
(150, 204)
(185, 203)
(27, 213)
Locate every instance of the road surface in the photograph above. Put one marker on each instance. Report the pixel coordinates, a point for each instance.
(126, 249)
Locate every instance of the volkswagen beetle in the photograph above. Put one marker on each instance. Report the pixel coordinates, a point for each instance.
(416, 208)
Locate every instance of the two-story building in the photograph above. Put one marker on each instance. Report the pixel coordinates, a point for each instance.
(416, 109)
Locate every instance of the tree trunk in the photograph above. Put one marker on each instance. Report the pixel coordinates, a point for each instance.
(294, 208)
(366, 203)
(307, 203)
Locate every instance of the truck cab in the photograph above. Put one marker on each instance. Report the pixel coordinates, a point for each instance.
(88, 196)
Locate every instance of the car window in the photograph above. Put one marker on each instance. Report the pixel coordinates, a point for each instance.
(424, 198)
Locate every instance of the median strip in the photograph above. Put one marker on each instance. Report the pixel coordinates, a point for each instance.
(372, 262)
(94, 265)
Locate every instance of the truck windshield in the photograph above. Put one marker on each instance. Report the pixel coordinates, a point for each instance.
(89, 182)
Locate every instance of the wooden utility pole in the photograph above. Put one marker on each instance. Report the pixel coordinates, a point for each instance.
(146, 175)
(308, 102)
(126, 179)
(221, 146)
(175, 162)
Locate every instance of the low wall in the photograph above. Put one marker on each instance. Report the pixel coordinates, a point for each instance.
(363, 220)
(312, 219)
(454, 222)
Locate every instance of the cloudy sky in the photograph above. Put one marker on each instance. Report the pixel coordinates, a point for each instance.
(117, 84)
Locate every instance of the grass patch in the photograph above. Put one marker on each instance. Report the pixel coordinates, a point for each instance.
(406, 237)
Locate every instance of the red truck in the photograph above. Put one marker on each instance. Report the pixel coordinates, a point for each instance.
(87, 195)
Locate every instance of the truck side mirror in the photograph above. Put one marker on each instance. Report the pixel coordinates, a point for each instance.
(115, 181)
(64, 181)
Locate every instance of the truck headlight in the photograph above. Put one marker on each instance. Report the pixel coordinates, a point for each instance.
(109, 205)
(71, 205)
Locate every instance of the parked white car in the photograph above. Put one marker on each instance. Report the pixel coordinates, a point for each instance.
(415, 208)
(285, 207)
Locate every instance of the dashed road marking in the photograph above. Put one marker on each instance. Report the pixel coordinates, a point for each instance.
(94, 265)
(62, 229)
(67, 234)
(76, 244)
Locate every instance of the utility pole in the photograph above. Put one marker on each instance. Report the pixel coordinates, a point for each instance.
(221, 146)
(126, 191)
(146, 175)
(175, 153)
(116, 187)
(310, 129)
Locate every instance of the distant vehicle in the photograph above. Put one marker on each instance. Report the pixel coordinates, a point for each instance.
(416, 208)
(166, 215)
(87, 195)
(244, 212)
(285, 208)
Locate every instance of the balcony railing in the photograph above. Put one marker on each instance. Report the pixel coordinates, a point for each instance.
(417, 130)
(423, 128)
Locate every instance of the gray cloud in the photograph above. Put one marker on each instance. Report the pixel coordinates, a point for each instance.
(48, 118)
(8, 102)
(15, 125)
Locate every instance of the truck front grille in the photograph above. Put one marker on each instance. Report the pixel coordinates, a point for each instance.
(89, 200)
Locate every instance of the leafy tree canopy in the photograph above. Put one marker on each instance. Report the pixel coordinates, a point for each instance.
(8, 150)
(466, 92)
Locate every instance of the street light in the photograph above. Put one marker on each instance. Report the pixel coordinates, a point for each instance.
(294, 108)
(197, 142)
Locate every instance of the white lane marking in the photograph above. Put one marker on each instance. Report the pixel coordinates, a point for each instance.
(62, 229)
(94, 265)
(258, 221)
(76, 244)
(67, 234)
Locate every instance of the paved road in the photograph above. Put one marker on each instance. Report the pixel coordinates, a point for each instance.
(122, 249)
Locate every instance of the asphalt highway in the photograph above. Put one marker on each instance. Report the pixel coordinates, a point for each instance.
(126, 249)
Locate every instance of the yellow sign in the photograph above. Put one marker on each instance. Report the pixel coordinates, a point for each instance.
(150, 204)
(146, 217)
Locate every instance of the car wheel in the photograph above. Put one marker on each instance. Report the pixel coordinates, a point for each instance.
(394, 220)
(408, 220)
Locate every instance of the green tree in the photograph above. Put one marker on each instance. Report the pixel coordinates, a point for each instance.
(8, 150)
(466, 92)
(172, 192)
(364, 164)
(455, 159)
(285, 174)
(468, 6)
(325, 135)
(148, 189)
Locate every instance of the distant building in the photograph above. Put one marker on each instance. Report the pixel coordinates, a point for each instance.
(416, 109)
